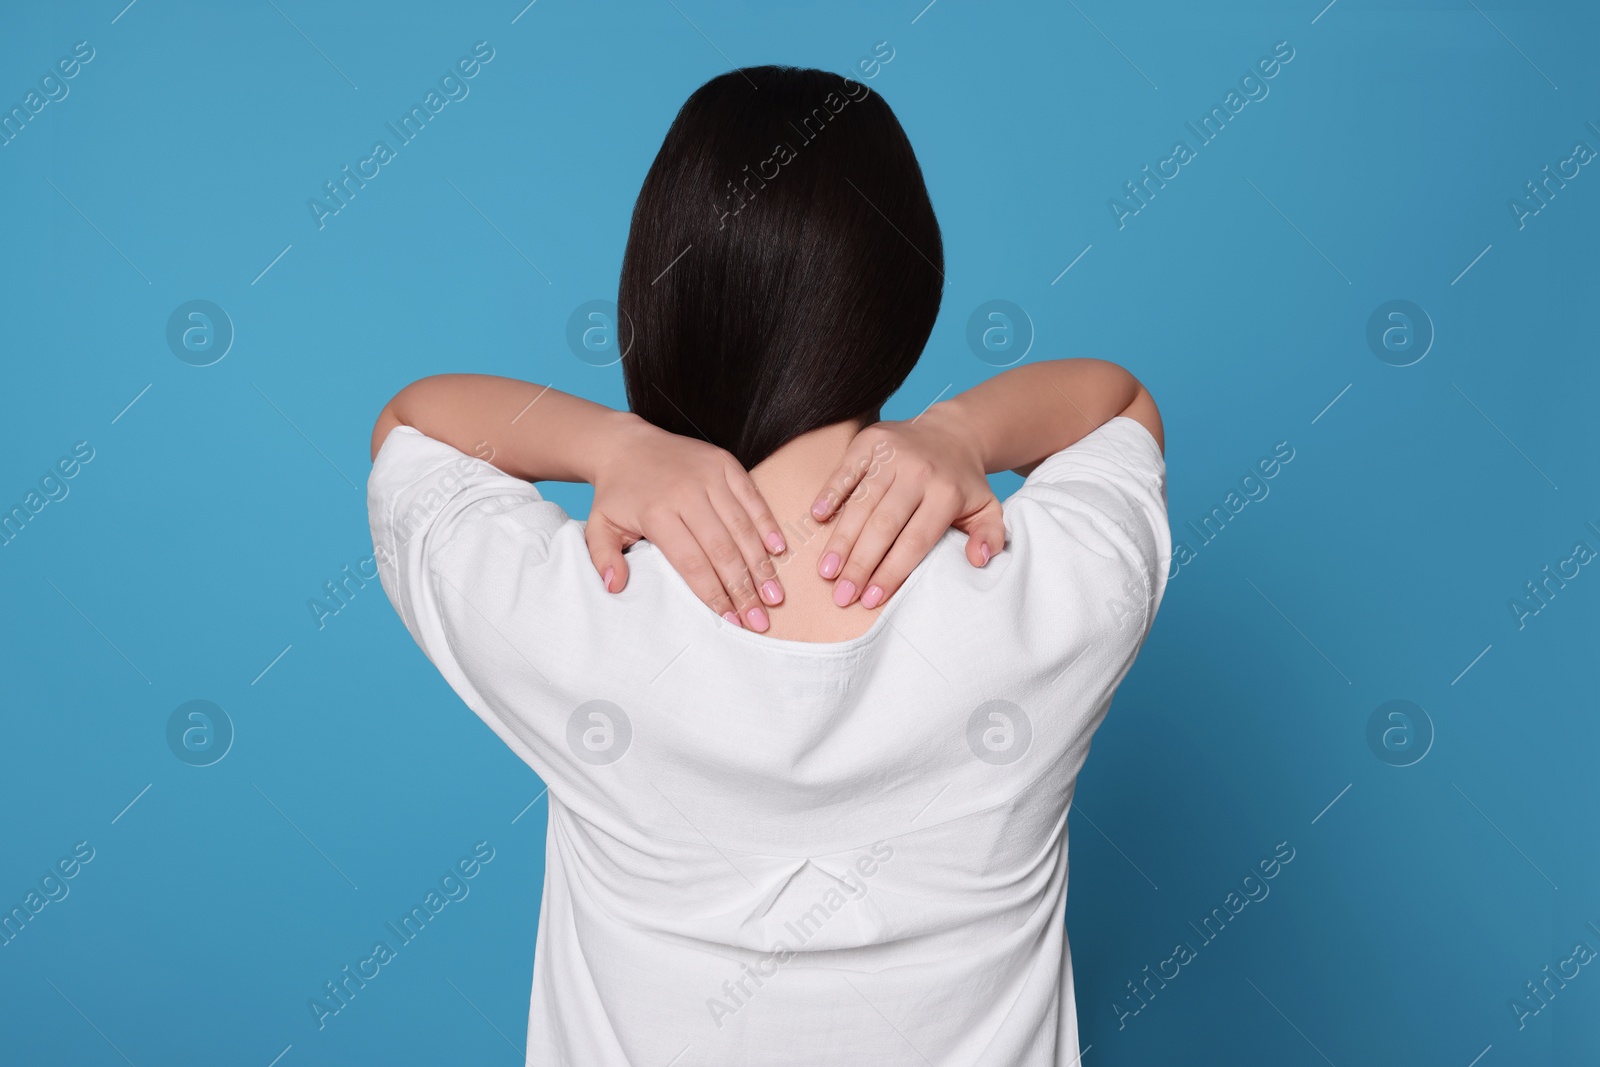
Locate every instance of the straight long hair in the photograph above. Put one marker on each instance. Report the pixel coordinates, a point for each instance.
(784, 266)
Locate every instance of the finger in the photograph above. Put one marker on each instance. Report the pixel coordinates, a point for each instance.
(606, 543)
(727, 562)
(921, 533)
(842, 482)
(986, 532)
(851, 520)
(882, 531)
(755, 506)
(683, 551)
(742, 528)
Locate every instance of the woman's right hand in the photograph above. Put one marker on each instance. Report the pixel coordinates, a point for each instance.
(901, 486)
(693, 501)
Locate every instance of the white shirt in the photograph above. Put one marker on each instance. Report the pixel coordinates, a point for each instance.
(767, 851)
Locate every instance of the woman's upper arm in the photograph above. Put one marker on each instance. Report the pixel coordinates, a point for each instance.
(1143, 410)
(387, 420)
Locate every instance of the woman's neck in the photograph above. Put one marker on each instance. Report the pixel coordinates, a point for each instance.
(791, 479)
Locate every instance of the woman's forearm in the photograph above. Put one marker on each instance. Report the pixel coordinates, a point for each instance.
(688, 497)
(1021, 416)
(529, 431)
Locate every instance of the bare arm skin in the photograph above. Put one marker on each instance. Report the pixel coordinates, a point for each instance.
(936, 478)
(700, 507)
(1027, 414)
(691, 499)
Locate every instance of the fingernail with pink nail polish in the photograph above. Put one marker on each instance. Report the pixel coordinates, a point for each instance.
(757, 619)
(775, 543)
(731, 617)
(830, 565)
(606, 577)
(872, 596)
(772, 592)
(844, 592)
(983, 551)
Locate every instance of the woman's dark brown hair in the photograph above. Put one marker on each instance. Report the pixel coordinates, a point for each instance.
(784, 266)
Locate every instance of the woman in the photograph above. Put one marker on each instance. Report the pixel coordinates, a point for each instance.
(824, 821)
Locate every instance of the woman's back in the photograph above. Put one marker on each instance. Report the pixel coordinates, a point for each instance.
(767, 850)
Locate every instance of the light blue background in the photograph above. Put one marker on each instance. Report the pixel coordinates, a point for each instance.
(1381, 564)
